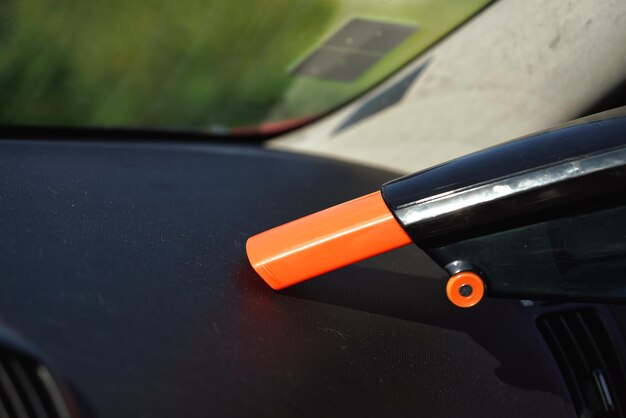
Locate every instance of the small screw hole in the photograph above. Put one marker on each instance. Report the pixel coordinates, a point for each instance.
(465, 290)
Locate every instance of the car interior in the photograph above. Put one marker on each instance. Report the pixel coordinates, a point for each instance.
(142, 144)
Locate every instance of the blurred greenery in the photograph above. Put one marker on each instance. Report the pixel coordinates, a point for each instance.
(192, 64)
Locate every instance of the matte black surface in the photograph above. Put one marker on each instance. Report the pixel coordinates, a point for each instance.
(124, 264)
(591, 367)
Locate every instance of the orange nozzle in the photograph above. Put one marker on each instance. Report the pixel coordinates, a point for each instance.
(325, 241)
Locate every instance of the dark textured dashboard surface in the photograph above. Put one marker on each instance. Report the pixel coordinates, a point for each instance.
(125, 265)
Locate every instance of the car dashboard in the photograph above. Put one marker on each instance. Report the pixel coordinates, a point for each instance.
(126, 292)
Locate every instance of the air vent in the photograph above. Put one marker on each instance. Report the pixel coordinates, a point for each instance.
(27, 389)
(588, 361)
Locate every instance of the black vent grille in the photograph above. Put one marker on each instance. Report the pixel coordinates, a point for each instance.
(588, 361)
(27, 389)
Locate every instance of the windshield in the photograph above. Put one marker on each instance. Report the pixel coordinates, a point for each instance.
(213, 65)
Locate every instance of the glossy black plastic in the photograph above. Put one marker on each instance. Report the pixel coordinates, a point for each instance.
(579, 257)
(569, 142)
(556, 231)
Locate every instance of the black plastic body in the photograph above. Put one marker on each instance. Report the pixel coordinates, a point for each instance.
(580, 257)
(570, 142)
(564, 240)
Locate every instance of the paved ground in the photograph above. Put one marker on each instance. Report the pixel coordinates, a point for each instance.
(517, 68)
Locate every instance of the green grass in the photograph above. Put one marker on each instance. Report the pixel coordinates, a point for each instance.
(198, 64)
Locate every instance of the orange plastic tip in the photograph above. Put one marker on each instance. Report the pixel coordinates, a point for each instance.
(475, 292)
(325, 241)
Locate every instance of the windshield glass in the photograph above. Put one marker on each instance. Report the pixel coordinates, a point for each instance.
(222, 66)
